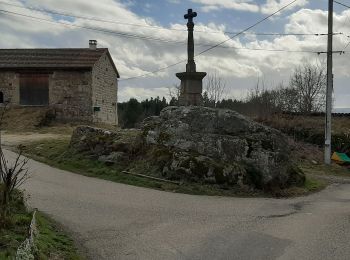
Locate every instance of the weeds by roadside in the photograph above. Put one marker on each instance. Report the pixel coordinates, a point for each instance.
(51, 243)
(15, 218)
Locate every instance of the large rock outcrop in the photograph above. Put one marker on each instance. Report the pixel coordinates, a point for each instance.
(220, 146)
(197, 144)
(111, 147)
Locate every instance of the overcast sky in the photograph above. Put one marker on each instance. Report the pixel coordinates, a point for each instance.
(240, 68)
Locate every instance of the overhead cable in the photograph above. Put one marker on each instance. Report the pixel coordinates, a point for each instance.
(96, 19)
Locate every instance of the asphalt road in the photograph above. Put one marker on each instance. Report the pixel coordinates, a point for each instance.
(116, 221)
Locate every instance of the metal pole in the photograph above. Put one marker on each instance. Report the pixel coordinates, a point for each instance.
(328, 130)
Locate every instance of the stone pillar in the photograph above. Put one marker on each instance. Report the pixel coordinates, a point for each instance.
(191, 88)
(191, 80)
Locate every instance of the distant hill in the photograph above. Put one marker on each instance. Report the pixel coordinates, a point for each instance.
(341, 110)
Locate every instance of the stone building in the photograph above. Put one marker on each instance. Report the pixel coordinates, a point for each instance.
(78, 84)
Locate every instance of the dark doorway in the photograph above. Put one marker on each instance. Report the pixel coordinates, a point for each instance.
(34, 89)
(1, 97)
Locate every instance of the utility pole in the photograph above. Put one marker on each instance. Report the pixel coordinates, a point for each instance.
(328, 127)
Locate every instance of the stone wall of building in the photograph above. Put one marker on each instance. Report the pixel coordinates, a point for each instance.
(70, 94)
(75, 95)
(104, 92)
(9, 86)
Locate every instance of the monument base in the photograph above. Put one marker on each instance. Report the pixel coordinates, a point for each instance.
(191, 88)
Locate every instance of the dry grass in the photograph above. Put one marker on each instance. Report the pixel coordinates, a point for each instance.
(315, 123)
(24, 120)
(302, 152)
(21, 129)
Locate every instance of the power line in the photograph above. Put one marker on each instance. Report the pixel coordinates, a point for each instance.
(154, 72)
(346, 46)
(155, 27)
(347, 18)
(259, 49)
(215, 46)
(121, 34)
(247, 29)
(90, 28)
(347, 6)
(85, 17)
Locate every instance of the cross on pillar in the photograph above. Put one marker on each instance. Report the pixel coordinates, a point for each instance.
(191, 80)
(190, 15)
(191, 65)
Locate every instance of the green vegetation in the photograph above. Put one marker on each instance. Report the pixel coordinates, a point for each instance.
(51, 242)
(325, 170)
(310, 129)
(313, 185)
(57, 153)
(132, 112)
(16, 231)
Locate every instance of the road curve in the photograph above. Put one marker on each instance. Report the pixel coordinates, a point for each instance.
(116, 221)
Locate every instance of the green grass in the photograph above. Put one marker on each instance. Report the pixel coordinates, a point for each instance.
(325, 170)
(314, 181)
(313, 185)
(15, 232)
(51, 242)
(57, 154)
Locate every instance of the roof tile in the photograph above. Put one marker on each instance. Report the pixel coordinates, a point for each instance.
(49, 58)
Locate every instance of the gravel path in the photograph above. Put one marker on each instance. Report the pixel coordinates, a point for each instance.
(116, 221)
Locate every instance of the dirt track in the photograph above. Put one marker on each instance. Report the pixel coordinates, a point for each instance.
(17, 139)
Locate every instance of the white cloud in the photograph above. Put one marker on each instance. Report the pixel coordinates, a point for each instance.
(210, 8)
(269, 7)
(174, 1)
(272, 6)
(126, 92)
(241, 5)
(133, 57)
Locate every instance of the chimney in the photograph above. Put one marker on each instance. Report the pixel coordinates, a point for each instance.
(92, 44)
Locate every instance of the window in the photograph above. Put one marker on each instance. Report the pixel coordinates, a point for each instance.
(34, 89)
(1, 97)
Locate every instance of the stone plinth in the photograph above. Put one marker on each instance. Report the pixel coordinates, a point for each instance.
(191, 88)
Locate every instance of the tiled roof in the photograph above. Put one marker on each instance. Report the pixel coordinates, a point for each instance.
(78, 58)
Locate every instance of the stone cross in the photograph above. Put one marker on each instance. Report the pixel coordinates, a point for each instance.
(191, 80)
(190, 15)
(191, 65)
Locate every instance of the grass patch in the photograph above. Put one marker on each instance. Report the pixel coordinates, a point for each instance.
(311, 185)
(325, 170)
(16, 231)
(37, 120)
(51, 242)
(56, 153)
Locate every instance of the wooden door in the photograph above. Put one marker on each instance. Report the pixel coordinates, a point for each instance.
(34, 89)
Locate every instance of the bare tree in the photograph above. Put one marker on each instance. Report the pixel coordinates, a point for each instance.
(214, 88)
(262, 101)
(310, 83)
(288, 99)
(174, 93)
